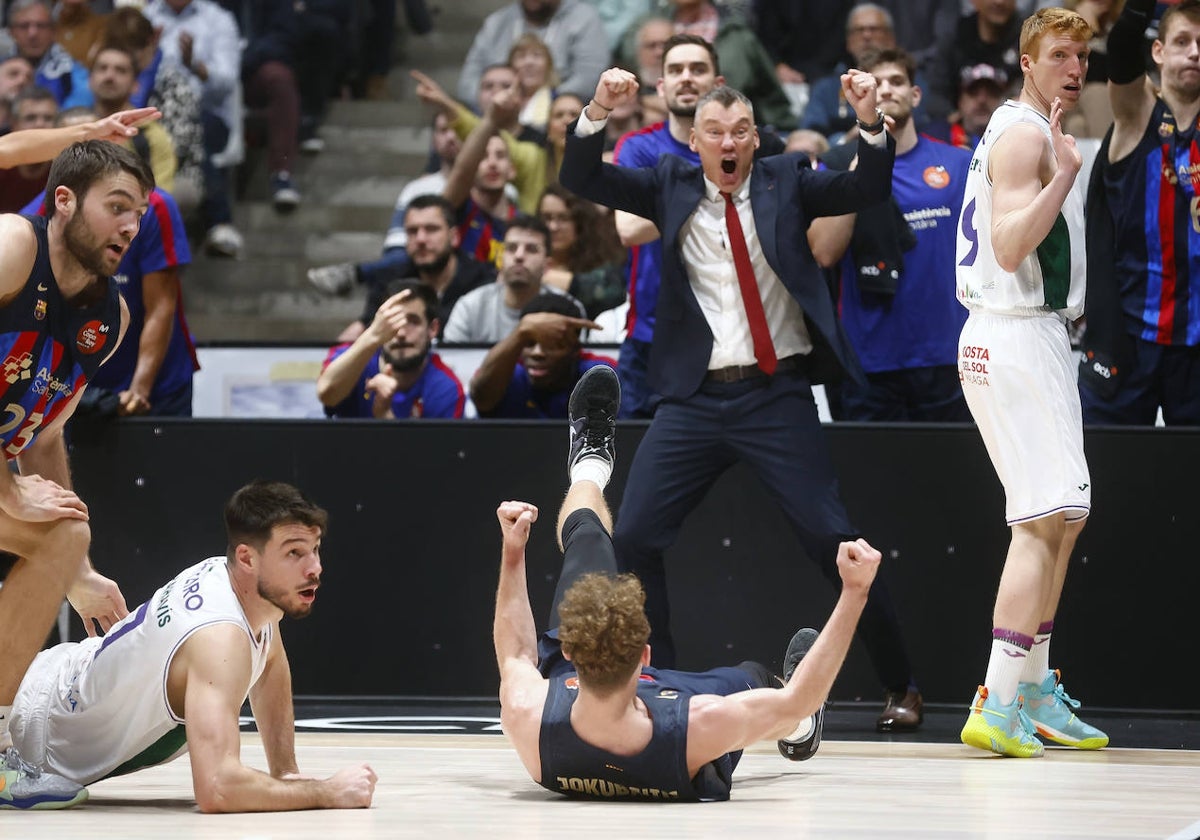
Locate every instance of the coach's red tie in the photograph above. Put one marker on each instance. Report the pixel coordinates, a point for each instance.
(764, 350)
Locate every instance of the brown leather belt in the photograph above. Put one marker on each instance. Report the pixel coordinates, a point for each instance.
(738, 373)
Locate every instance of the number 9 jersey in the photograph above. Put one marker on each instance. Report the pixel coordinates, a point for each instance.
(1052, 277)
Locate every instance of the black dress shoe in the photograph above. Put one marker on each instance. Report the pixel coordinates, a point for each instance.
(802, 744)
(901, 712)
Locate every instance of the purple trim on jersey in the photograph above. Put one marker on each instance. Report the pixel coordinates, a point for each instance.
(1065, 509)
(641, 148)
(437, 393)
(132, 624)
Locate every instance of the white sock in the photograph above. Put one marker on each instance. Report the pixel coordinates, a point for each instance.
(1038, 662)
(1004, 670)
(5, 738)
(597, 470)
(803, 729)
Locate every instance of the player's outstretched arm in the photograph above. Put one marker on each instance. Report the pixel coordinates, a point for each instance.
(1131, 92)
(41, 144)
(210, 673)
(514, 632)
(522, 687)
(717, 725)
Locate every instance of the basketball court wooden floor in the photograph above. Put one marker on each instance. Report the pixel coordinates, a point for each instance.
(450, 774)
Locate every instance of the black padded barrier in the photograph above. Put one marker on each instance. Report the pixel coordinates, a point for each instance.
(411, 557)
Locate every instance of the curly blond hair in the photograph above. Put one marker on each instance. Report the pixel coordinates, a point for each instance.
(1052, 21)
(603, 629)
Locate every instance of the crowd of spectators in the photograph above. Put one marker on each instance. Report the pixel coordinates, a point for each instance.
(224, 71)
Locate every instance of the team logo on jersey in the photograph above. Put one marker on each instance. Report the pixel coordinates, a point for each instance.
(91, 338)
(39, 310)
(1165, 129)
(936, 177)
(17, 367)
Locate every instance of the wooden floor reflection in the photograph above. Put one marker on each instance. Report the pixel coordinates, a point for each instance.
(473, 786)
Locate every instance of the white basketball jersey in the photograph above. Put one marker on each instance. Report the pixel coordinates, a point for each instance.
(1051, 278)
(108, 713)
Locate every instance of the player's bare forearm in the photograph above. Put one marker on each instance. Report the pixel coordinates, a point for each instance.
(274, 715)
(514, 632)
(239, 789)
(810, 684)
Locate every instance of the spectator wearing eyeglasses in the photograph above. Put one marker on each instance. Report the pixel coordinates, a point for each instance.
(869, 27)
(31, 26)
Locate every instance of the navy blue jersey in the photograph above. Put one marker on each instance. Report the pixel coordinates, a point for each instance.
(50, 348)
(161, 243)
(1155, 202)
(436, 393)
(573, 767)
(522, 400)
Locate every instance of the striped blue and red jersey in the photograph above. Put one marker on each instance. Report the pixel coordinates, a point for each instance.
(639, 148)
(161, 243)
(436, 393)
(522, 400)
(50, 349)
(481, 235)
(1154, 197)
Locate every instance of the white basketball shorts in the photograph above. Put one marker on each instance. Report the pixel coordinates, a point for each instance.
(1019, 378)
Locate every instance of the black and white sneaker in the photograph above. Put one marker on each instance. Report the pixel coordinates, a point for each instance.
(802, 743)
(592, 411)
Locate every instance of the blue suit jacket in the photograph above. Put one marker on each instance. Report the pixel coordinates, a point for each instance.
(785, 194)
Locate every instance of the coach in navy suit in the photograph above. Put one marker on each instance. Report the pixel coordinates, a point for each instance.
(735, 370)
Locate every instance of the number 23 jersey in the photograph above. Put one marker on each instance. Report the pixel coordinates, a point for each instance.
(49, 348)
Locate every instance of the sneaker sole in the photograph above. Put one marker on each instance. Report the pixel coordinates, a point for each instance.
(47, 804)
(806, 748)
(1097, 742)
(993, 739)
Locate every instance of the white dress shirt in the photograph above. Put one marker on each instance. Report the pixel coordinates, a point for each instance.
(704, 246)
